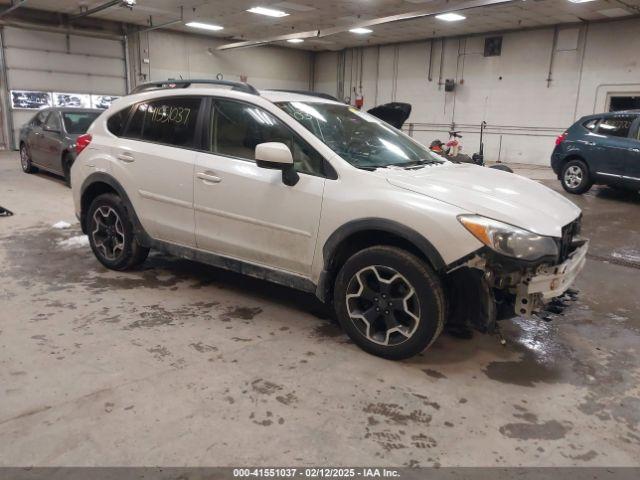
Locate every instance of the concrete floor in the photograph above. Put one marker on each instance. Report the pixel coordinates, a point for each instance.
(182, 364)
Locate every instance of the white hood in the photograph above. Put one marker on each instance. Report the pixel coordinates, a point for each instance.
(503, 196)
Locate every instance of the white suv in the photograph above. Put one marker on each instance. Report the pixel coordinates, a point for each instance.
(316, 195)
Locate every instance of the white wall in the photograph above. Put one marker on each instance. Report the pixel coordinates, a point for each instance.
(509, 92)
(172, 54)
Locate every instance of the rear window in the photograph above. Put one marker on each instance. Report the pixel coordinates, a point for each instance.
(616, 126)
(77, 123)
(171, 121)
(591, 124)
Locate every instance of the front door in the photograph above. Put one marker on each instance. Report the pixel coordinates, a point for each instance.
(246, 212)
(154, 160)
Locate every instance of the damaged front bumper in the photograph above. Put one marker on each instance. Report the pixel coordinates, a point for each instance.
(490, 287)
(548, 282)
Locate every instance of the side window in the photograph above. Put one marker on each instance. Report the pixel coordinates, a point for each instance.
(616, 126)
(118, 121)
(170, 121)
(237, 128)
(39, 119)
(591, 124)
(53, 122)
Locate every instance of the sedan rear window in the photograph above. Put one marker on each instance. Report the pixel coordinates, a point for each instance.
(77, 123)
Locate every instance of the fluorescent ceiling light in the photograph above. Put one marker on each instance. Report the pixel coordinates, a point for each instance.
(204, 26)
(580, 1)
(295, 40)
(270, 12)
(360, 30)
(450, 17)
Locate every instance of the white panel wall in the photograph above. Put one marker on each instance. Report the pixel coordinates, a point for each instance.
(510, 92)
(55, 62)
(171, 55)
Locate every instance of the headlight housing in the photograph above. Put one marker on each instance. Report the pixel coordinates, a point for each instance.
(509, 240)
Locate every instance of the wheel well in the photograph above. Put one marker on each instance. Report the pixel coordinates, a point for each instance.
(569, 158)
(90, 193)
(359, 241)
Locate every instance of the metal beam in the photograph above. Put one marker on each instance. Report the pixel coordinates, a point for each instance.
(427, 12)
(15, 5)
(97, 9)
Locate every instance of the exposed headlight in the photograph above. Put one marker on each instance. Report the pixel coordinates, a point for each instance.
(509, 240)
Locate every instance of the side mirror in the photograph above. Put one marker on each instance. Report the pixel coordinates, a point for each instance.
(276, 155)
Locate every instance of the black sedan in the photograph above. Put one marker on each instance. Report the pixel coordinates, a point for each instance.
(48, 140)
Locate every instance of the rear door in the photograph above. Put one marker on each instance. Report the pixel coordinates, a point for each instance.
(614, 144)
(51, 142)
(154, 160)
(247, 212)
(34, 137)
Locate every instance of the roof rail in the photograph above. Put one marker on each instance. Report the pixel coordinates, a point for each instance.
(326, 96)
(171, 83)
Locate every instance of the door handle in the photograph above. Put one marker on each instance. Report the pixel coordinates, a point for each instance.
(208, 177)
(125, 157)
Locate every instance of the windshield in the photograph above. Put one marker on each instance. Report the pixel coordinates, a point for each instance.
(361, 139)
(78, 122)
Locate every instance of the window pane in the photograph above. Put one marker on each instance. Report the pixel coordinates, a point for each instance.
(78, 122)
(591, 124)
(53, 122)
(171, 121)
(134, 130)
(237, 128)
(615, 127)
(117, 122)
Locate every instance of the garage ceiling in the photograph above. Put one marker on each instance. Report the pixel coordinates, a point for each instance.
(309, 15)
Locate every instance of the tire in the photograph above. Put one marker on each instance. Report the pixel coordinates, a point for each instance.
(409, 322)
(499, 166)
(67, 162)
(575, 177)
(112, 239)
(25, 159)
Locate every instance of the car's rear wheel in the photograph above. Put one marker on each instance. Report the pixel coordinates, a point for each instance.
(25, 159)
(389, 302)
(111, 234)
(575, 177)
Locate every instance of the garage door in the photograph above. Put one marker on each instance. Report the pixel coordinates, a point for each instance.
(73, 66)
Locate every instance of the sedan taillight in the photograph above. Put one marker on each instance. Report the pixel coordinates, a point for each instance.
(83, 142)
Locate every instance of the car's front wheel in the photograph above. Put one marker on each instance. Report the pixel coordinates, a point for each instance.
(111, 234)
(389, 302)
(25, 160)
(575, 177)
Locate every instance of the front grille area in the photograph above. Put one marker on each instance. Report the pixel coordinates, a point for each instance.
(569, 231)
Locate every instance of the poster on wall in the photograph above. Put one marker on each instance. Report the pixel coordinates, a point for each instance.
(102, 101)
(30, 100)
(80, 100)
